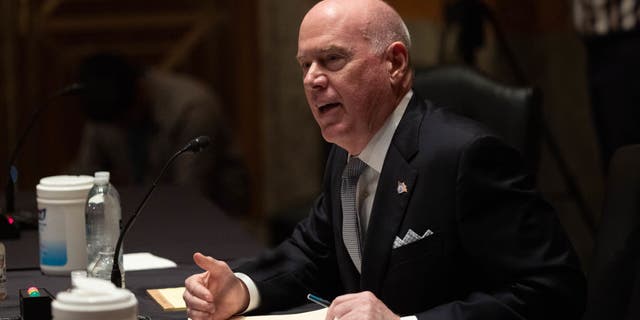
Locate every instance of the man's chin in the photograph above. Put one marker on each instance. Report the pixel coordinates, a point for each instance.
(330, 134)
(334, 135)
(327, 138)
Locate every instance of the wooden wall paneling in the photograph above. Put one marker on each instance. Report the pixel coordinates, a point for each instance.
(7, 85)
(245, 76)
(212, 40)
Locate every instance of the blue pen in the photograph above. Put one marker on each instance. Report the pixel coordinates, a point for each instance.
(318, 300)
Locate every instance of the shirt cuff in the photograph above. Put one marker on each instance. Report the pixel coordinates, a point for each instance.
(409, 318)
(254, 295)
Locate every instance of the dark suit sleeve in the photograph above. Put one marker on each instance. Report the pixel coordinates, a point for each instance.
(520, 262)
(304, 263)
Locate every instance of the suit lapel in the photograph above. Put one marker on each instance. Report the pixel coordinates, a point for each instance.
(391, 198)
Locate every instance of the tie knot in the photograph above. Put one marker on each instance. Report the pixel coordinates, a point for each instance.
(354, 168)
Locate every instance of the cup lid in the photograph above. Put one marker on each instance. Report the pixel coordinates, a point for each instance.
(64, 186)
(66, 181)
(95, 294)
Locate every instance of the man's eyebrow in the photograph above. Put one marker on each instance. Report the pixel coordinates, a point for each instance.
(333, 48)
(329, 49)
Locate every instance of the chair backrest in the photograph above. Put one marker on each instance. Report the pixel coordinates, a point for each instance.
(613, 281)
(510, 111)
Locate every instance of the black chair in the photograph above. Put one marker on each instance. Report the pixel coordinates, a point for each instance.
(613, 279)
(511, 111)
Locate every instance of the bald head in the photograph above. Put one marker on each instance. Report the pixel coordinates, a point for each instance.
(374, 20)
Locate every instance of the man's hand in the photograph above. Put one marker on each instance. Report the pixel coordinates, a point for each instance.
(215, 294)
(357, 306)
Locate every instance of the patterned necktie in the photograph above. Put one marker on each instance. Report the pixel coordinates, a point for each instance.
(350, 226)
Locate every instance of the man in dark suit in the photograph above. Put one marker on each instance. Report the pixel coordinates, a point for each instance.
(423, 214)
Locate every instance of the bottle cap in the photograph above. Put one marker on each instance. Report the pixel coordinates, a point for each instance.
(77, 274)
(101, 177)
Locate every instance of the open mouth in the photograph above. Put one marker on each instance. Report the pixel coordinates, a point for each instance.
(327, 107)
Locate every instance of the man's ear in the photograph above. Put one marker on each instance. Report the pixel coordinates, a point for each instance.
(397, 57)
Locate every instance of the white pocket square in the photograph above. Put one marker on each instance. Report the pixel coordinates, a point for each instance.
(410, 237)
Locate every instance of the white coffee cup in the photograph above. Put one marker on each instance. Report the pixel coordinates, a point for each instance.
(61, 205)
(95, 299)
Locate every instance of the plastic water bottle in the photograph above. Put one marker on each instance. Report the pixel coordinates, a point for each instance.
(103, 219)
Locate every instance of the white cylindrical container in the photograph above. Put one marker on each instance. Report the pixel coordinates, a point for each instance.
(95, 299)
(63, 244)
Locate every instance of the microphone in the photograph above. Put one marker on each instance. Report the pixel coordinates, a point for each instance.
(8, 227)
(196, 145)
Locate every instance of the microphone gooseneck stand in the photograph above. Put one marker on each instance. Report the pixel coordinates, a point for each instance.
(8, 226)
(195, 146)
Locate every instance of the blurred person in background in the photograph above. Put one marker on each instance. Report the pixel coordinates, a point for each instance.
(137, 118)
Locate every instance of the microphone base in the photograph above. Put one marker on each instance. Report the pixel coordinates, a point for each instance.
(26, 219)
(8, 230)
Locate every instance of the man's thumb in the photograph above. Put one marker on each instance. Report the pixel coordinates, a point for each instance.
(205, 262)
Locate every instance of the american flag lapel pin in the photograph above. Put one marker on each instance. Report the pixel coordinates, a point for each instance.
(402, 187)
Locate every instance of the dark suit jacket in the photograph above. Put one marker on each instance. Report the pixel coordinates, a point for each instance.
(497, 250)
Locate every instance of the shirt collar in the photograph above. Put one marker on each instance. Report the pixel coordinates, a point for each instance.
(376, 150)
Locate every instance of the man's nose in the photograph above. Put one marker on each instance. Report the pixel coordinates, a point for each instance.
(315, 77)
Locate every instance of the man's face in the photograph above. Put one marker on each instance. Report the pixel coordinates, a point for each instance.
(345, 82)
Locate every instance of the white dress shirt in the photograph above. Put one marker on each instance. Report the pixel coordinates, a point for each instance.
(373, 155)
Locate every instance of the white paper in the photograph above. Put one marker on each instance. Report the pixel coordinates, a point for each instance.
(145, 261)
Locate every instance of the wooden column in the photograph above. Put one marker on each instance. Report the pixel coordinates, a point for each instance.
(8, 87)
(245, 76)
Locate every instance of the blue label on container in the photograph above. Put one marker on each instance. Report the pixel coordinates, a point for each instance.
(53, 254)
